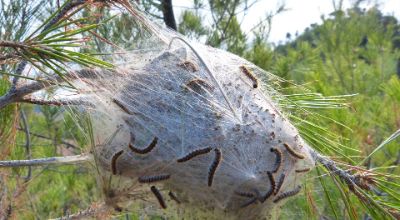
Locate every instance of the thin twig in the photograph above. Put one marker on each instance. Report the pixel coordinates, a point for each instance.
(18, 94)
(27, 142)
(57, 102)
(48, 138)
(82, 158)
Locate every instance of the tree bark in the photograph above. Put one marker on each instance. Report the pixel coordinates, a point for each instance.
(168, 14)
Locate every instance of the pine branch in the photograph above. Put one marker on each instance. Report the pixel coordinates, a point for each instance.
(18, 95)
(27, 142)
(48, 138)
(76, 159)
(350, 179)
(12, 44)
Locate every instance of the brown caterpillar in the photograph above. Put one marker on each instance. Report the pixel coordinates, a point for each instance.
(280, 183)
(251, 201)
(151, 179)
(159, 197)
(302, 170)
(250, 75)
(173, 197)
(198, 84)
(194, 154)
(278, 161)
(114, 161)
(145, 150)
(271, 190)
(214, 166)
(188, 65)
(245, 194)
(122, 106)
(287, 194)
(292, 152)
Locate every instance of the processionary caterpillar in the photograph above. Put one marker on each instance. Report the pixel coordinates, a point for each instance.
(245, 194)
(173, 197)
(190, 66)
(214, 166)
(292, 152)
(145, 150)
(194, 154)
(159, 197)
(271, 190)
(302, 170)
(278, 161)
(197, 85)
(122, 106)
(250, 75)
(287, 194)
(280, 183)
(151, 179)
(114, 161)
(251, 201)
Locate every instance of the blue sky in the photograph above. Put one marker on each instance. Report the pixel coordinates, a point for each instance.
(300, 15)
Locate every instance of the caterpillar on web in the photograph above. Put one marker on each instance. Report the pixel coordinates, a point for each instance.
(278, 160)
(214, 166)
(302, 170)
(292, 152)
(250, 75)
(287, 194)
(159, 197)
(151, 179)
(194, 153)
(122, 106)
(249, 202)
(271, 190)
(190, 66)
(280, 183)
(174, 197)
(198, 85)
(146, 150)
(245, 194)
(114, 161)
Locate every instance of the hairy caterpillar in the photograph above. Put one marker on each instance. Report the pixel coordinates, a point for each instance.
(278, 161)
(245, 194)
(292, 152)
(214, 166)
(194, 154)
(197, 85)
(250, 75)
(280, 183)
(159, 197)
(156, 178)
(114, 161)
(271, 190)
(173, 197)
(287, 194)
(190, 66)
(122, 106)
(302, 170)
(145, 150)
(251, 201)
(272, 136)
